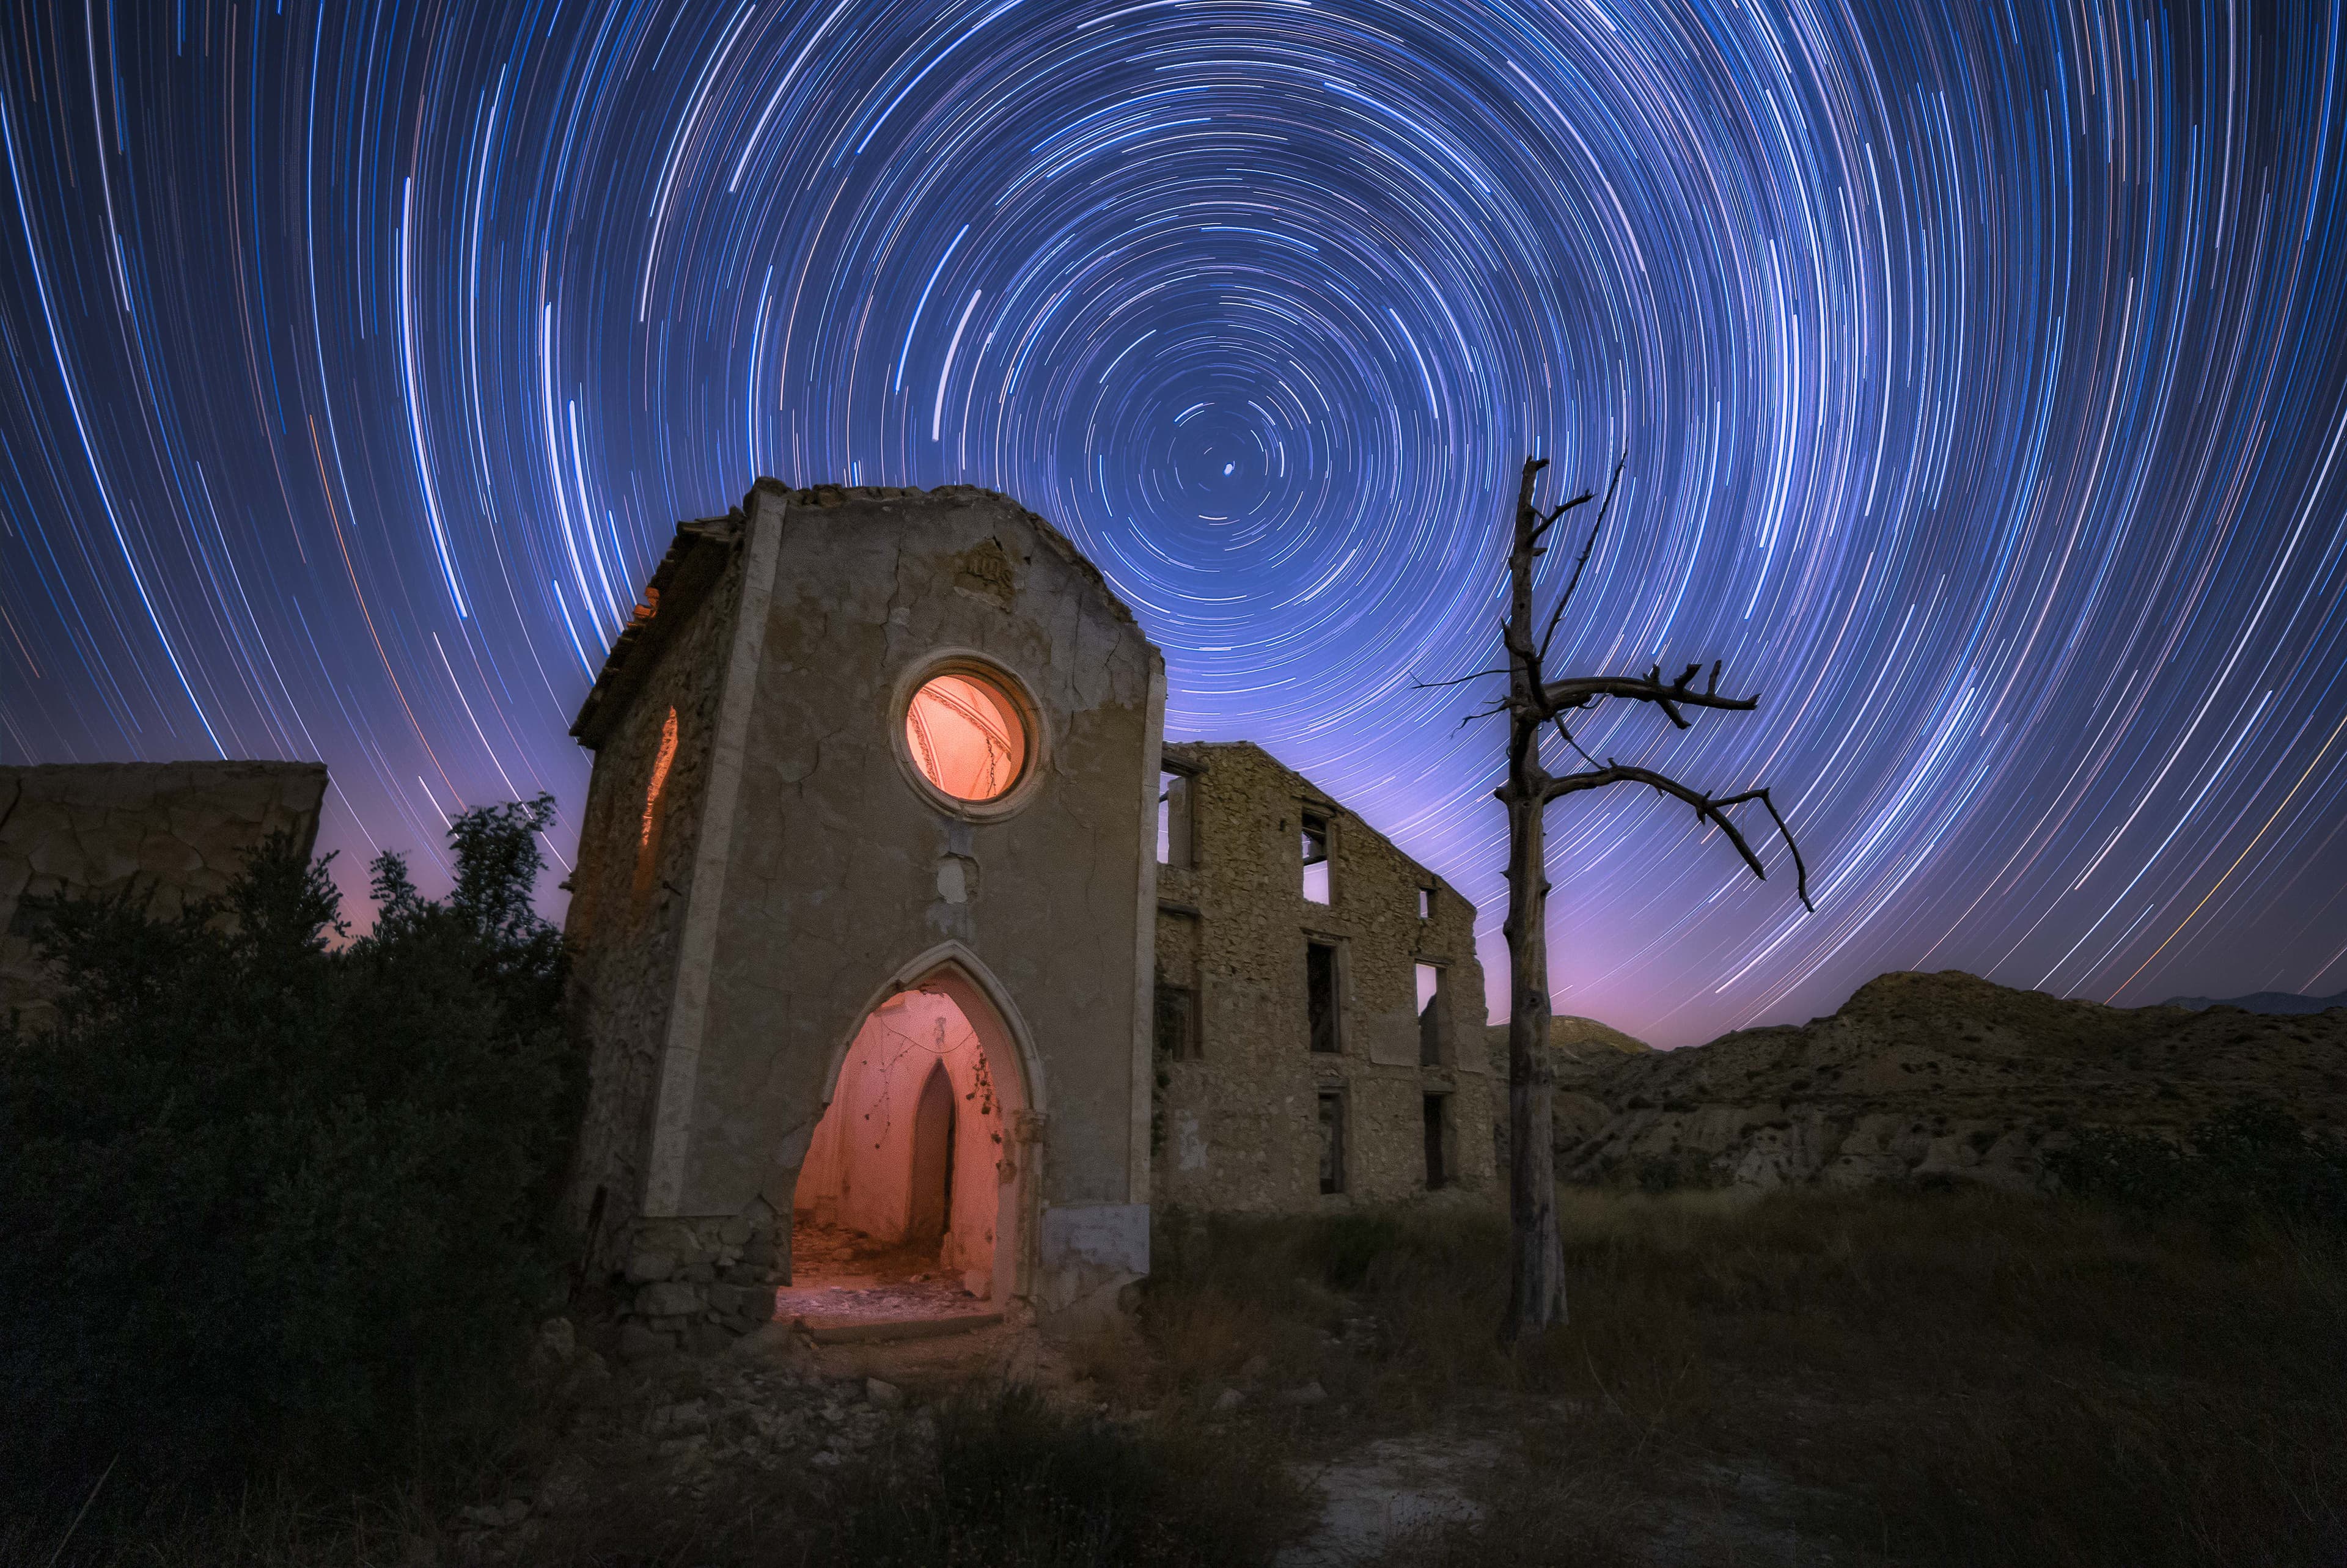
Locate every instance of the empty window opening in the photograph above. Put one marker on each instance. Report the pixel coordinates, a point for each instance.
(1174, 818)
(660, 762)
(1426, 903)
(1320, 996)
(900, 1195)
(1430, 1015)
(1316, 859)
(965, 737)
(1177, 1021)
(1438, 1162)
(1332, 1142)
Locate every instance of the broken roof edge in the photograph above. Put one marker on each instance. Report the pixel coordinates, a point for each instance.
(648, 628)
(1184, 751)
(631, 652)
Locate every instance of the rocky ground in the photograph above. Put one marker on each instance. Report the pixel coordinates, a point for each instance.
(1924, 1077)
(770, 1401)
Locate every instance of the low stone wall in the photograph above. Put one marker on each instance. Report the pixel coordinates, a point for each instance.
(697, 1285)
(180, 831)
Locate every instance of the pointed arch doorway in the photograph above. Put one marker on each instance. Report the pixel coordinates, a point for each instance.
(910, 1201)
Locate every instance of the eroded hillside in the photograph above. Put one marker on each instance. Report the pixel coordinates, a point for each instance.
(1925, 1076)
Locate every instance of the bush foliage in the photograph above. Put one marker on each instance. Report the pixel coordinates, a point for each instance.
(1005, 1477)
(272, 1198)
(2253, 1158)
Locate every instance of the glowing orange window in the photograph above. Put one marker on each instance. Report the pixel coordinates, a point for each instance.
(965, 737)
(660, 773)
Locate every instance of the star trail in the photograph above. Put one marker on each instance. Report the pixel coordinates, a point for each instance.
(1981, 377)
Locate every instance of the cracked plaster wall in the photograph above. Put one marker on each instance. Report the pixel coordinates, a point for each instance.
(843, 869)
(838, 870)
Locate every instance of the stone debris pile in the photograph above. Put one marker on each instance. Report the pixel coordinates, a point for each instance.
(763, 1405)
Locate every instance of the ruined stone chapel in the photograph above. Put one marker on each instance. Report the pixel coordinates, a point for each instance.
(895, 920)
(895, 915)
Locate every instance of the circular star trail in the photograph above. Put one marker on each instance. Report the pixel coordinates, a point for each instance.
(1981, 382)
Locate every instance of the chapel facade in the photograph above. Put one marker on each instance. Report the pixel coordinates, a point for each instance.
(863, 919)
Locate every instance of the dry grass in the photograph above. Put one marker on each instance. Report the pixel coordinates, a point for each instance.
(998, 1477)
(1920, 1378)
(1872, 1379)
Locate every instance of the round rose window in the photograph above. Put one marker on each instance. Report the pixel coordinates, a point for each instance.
(965, 737)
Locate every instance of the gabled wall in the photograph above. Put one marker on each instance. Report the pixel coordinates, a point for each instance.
(818, 869)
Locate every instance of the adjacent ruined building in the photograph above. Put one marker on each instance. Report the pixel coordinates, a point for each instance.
(1319, 1012)
(173, 831)
(864, 915)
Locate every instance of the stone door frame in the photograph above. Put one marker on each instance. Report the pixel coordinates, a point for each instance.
(951, 970)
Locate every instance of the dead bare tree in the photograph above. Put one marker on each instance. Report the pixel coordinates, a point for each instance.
(1534, 705)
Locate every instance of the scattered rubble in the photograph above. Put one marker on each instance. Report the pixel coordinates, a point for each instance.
(764, 1402)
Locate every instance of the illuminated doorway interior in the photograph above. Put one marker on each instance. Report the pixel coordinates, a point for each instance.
(899, 1202)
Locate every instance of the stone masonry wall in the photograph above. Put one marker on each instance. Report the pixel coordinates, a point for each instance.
(627, 904)
(1237, 1128)
(180, 829)
(835, 862)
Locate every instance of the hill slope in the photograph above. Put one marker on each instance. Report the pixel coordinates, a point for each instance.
(2289, 1002)
(1924, 1076)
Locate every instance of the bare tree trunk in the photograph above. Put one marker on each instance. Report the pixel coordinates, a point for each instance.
(1534, 703)
(1535, 1247)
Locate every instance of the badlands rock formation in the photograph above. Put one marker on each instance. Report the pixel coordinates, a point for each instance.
(1925, 1077)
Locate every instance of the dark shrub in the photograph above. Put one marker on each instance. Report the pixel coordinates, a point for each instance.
(1016, 1482)
(2251, 1158)
(1350, 1243)
(1002, 1478)
(269, 1203)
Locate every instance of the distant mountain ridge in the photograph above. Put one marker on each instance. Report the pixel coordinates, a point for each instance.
(2287, 1003)
(1930, 1078)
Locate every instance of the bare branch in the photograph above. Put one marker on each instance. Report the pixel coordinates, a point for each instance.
(1581, 690)
(1576, 746)
(1800, 870)
(1590, 543)
(1548, 518)
(1498, 706)
(1454, 680)
(1710, 808)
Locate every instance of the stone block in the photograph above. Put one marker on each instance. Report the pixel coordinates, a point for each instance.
(637, 1342)
(649, 1266)
(670, 1299)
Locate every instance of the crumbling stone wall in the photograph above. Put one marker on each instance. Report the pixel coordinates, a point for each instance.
(180, 830)
(1236, 1126)
(628, 892)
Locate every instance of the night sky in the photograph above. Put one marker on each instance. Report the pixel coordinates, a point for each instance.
(1983, 379)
